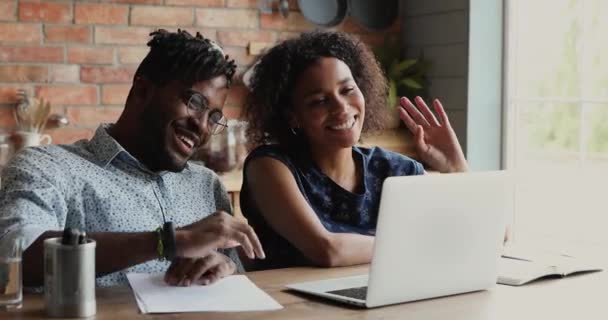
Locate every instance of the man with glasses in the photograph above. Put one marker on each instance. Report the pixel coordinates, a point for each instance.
(131, 187)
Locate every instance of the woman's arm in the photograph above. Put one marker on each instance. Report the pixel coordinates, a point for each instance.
(276, 194)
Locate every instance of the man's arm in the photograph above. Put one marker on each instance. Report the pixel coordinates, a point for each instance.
(115, 251)
(33, 206)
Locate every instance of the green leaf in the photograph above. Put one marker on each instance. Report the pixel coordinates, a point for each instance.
(411, 83)
(404, 65)
(392, 94)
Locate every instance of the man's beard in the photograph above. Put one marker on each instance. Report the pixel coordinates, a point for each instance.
(158, 155)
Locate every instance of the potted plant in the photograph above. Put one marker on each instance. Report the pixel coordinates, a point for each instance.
(405, 77)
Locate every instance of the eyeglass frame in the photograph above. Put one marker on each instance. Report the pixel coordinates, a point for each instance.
(216, 126)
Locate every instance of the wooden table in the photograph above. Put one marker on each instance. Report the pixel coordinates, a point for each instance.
(233, 181)
(577, 297)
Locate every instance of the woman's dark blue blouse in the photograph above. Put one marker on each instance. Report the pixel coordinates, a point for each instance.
(338, 210)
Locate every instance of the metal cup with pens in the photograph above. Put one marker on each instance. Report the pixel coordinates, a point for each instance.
(69, 275)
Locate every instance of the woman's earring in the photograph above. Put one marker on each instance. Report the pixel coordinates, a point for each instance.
(293, 131)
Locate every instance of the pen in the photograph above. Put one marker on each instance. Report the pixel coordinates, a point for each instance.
(71, 237)
(516, 258)
(82, 238)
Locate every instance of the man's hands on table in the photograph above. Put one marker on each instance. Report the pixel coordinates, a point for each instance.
(202, 271)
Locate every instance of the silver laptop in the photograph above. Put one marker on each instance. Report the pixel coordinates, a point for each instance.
(437, 235)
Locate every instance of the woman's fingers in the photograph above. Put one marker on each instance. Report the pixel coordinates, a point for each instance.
(430, 117)
(414, 112)
(441, 112)
(409, 122)
(420, 138)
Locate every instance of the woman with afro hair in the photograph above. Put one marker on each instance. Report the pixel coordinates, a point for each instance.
(310, 193)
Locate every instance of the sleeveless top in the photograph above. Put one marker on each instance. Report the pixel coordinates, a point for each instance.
(338, 210)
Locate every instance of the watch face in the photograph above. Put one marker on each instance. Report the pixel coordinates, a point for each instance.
(169, 240)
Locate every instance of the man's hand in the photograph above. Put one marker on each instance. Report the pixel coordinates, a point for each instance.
(204, 271)
(217, 231)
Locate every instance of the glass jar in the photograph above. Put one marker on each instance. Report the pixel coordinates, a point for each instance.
(226, 151)
(6, 151)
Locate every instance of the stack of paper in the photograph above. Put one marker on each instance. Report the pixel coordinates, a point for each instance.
(234, 293)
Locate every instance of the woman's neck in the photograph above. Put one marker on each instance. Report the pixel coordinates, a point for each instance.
(340, 166)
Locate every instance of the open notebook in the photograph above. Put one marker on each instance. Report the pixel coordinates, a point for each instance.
(519, 265)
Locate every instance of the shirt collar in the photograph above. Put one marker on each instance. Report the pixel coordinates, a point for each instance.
(105, 149)
(103, 146)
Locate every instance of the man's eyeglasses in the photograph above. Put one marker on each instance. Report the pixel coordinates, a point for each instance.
(198, 107)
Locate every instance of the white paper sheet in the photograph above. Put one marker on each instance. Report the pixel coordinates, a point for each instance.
(233, 293)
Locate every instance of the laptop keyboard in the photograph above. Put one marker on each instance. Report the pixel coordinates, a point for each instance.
(357, 293)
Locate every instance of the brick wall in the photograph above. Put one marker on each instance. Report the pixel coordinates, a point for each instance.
(82, 54)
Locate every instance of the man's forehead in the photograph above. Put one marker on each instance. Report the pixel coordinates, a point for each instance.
(216, 83)
(213, 90)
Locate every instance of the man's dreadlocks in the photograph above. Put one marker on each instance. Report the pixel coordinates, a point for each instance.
(183, 57)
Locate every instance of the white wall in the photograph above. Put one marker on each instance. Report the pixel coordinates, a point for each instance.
(485, 85)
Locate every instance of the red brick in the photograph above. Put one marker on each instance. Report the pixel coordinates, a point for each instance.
(68, 94)
(293, 4)
(56, 33)
(350, 26)
(132, 55)
(64, 73)
(20, 32)
(100, 13)
(240, 55)
(237, 96)
(70, 135)
(207, 33)
(106, 74)
(196, 3)
(372, 39)
(242, 38)
(124, 35)
(7, 119)
(8, 10)
(23, 73)
(92, 117)
(294, 22)
(115, 93)
(133, 1)
(91, 55)
(8, 94)
(161, 16)
(251, 4)
(227, 18)
(288, 35)
(238, 75)
(31, 54)
(45, 12)
(56, 109)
